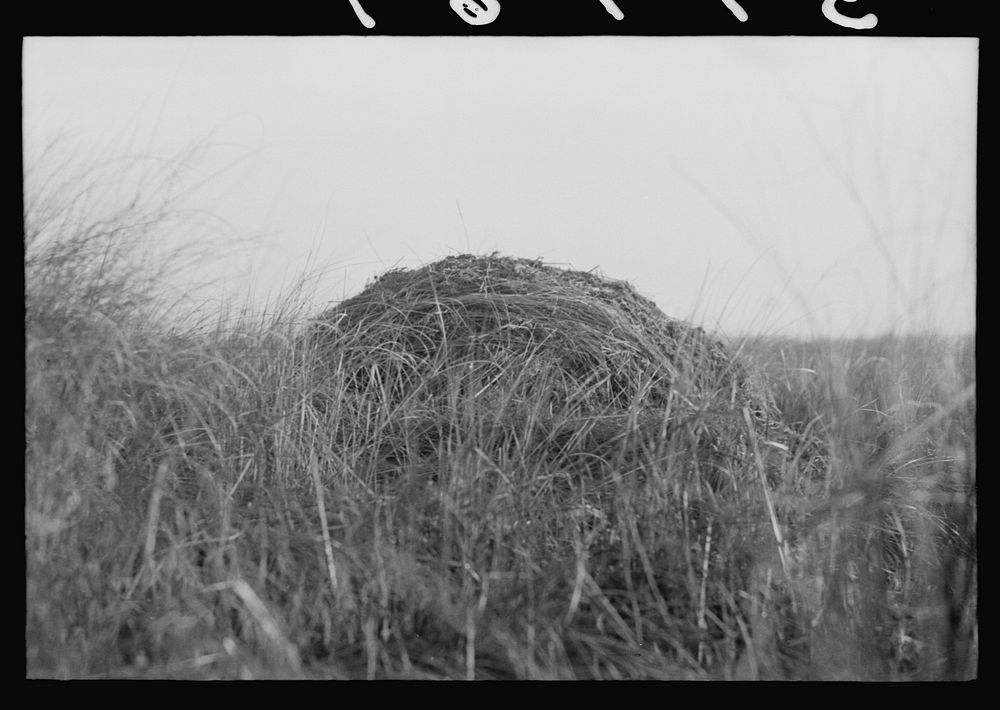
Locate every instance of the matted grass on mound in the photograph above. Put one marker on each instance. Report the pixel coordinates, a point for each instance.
(515, 333)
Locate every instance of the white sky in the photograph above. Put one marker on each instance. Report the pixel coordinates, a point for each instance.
(793, 186)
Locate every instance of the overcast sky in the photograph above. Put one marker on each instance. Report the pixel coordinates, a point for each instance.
(792, 186)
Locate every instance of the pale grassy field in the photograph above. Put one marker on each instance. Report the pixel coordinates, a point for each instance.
(209, 501)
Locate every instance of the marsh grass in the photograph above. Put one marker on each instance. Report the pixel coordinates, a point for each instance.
(887, 544)
(219, 500)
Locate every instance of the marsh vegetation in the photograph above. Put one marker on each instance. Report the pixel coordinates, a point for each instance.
(232, 498)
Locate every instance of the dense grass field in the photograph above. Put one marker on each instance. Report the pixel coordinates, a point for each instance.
(212, 500)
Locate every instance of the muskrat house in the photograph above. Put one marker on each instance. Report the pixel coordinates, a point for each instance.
(501, 354)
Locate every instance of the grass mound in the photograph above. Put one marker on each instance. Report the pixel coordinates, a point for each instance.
(525, 420)
(551, 356)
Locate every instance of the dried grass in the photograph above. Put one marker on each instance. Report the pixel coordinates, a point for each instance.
(514, 332)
